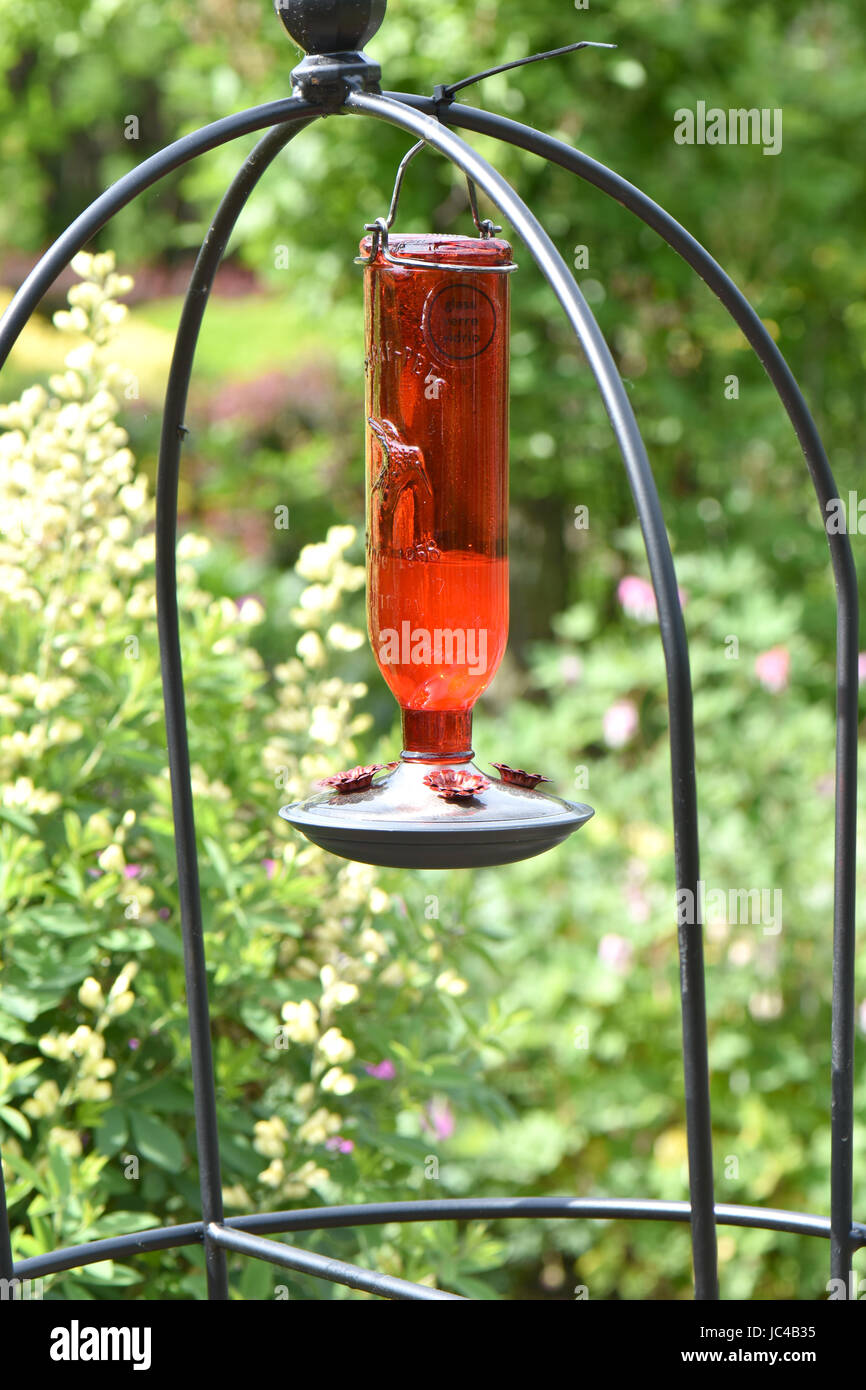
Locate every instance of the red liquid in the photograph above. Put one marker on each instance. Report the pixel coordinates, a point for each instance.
(437, 482)
(439, 628)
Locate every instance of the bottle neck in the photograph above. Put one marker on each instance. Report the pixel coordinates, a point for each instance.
(437, 736)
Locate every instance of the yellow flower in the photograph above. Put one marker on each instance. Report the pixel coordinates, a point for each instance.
(321, 1124)
(335, 1047)
(315, 561)
(270, 1137)
(56, 1046)
(121, 1003)
(339, 538)
(111, 860)
(310, 649)
(275, 1173)
(44, 1101)
(451, 983)
(338, 1081)
(301, 1021)
(237, 1197)
(83, 1040)
(343, 638)
(90, 994)
(311, 1174)
(66, 1140)
(91, 1089)
(336, 993)
(372, 943)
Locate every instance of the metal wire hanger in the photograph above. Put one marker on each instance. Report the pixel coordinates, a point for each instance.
(381, 228)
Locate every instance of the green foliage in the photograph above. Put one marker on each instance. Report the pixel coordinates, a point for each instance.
(786, 227)
(314, 971)
(584, 944)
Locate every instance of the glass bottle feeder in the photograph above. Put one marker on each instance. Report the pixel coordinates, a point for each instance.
(436, 364)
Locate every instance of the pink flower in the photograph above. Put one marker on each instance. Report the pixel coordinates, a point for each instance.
(270, 867)
(861, 667)
(638, 902)
(438, 1118)
(571, 669)
(133, 871)
(341, 1145)
(773, 669)
(383, 1071)
(620, 723)
(637, 598)
(615, 951)
(164, 913)
(134, 1044)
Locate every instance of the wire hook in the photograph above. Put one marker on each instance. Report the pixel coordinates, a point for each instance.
(381, 228)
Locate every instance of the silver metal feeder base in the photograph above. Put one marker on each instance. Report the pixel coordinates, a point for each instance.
(401, 822)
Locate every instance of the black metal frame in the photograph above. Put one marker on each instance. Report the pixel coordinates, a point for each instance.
(330, 82)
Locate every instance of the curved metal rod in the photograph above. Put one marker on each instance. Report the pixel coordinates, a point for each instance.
(171, 442)
(494, 1208)
(150, 171)
(71, 241)
(674, 642)
(444, 1209)
(6, 1263)
(324, 1267)
(847, 623)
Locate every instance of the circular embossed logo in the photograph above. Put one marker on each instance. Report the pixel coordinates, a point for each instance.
(460, 320)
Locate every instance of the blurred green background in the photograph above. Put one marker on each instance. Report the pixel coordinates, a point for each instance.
(583, 939)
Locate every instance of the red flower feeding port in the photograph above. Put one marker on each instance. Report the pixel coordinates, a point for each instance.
(436, 365)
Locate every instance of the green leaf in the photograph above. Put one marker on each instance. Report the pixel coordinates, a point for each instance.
(112, 1131)
(19, 820)
(61, 1169)
(61, 920)
(156, 1143)
(257, 1281)
(166, 1097)
(117, 1223)
(11, 1030)
(16, 1121)
(106, 1272)
(26, 1007)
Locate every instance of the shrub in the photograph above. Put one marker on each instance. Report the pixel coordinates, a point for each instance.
(336, 1020)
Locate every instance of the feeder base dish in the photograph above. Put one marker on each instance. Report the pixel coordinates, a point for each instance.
(401, 822)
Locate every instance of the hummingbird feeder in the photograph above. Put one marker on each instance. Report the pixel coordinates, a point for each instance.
(436, 367)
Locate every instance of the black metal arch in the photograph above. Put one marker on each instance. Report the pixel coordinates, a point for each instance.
(416, 115)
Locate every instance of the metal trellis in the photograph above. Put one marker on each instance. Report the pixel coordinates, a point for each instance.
(338, 77)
